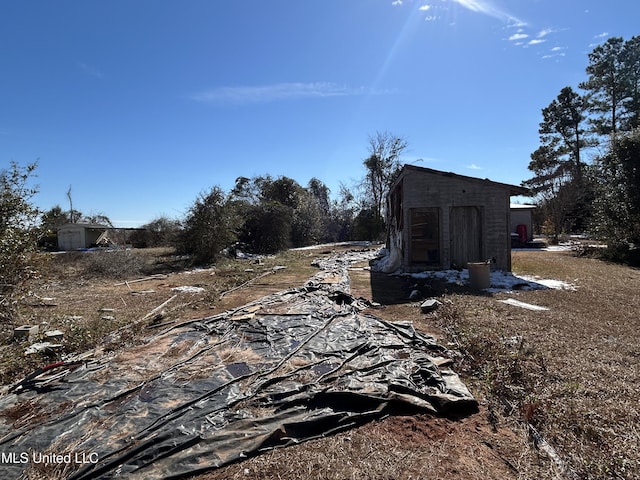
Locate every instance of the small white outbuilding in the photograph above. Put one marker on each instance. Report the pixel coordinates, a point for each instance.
(76, 236)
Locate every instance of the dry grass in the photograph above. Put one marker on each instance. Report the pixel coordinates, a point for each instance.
(399, 447)
(109, 309)
(589, 341)
(236, 354)
(572, 371)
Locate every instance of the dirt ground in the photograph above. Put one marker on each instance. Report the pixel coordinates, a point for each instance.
(569, 374)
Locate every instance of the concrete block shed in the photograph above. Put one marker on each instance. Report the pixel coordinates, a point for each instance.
(74, 236)
(442, 220)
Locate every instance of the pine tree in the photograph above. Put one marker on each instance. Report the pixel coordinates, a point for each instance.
(558, 163)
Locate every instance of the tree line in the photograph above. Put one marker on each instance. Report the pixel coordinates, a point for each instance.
(586, 171)
(262, 214)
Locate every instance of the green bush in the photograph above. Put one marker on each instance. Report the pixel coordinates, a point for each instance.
(18, 233)
(208, 228)
(267, 228)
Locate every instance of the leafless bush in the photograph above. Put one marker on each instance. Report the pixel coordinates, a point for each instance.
(113, 263)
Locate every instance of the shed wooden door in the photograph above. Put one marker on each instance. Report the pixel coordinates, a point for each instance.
(425, 236)
(466, 235)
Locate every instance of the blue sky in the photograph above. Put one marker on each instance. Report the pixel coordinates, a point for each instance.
(141, 105)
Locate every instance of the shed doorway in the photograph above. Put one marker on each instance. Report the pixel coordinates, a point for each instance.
(425, 236)
(466, 235)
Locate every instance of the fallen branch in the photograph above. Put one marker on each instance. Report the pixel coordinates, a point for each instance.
(163, 314)
(157, 309)
(248, 282)
(159, 276)
(547, 448)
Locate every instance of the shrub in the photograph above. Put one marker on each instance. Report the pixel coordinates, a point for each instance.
(160, 232)
(18, 233)
(208, 227)
(267, 228)
(113, 263)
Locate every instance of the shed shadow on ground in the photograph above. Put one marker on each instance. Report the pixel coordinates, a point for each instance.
(389, 289)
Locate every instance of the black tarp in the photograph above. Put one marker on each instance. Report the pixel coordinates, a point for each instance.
(290, 367)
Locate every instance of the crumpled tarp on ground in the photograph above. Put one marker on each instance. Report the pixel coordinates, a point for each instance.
(290, 367)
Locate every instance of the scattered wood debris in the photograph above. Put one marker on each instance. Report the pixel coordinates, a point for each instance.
(25, 332)
(42, 347)
(158, 308)
(188, 289)
(430, 305)
(159, 276)
(518, 303)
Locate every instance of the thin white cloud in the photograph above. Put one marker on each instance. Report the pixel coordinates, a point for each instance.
(473, 166)
(434, 12)
(486, 7)
(518, 36)
(555, 52)
(545, 32)
(277, 92)
(525, 40)
(90, 70)
(553, 55)
(599, 39)
(396, 3)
